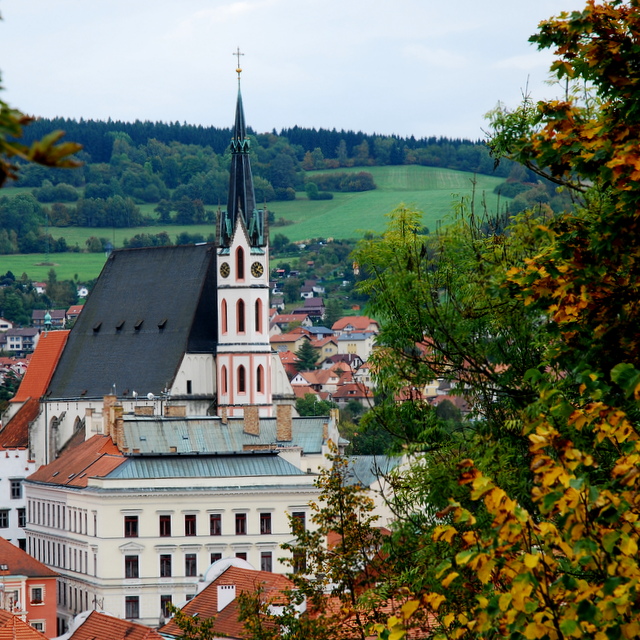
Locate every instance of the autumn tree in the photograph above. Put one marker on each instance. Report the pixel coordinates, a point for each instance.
(566, 564)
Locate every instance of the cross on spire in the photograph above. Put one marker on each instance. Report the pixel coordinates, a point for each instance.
(237, 53)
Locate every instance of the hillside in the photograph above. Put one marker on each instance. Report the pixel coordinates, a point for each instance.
(347, 215)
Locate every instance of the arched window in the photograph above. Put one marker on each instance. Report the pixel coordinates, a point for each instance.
(223, 313)
(240, 322)
(260, 379)
(242, 382)
(224, 381)
(240, 263)
(258, 318)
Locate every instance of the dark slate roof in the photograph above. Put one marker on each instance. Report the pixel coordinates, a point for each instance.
(148, 307)
(365, 470)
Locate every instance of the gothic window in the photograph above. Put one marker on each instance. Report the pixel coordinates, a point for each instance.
(258, 314)
(223, 313)
(242, 382)
(240, 316)
(225, 383)
(240, 263)
(260, 379)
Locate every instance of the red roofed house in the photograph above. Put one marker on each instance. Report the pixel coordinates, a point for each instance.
(101, 626)
(12, 627)
(353, 391)
(24, 408)
(29, 590)
(355, 324)
(226, 580)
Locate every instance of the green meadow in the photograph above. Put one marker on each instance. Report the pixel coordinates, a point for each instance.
(432, 190)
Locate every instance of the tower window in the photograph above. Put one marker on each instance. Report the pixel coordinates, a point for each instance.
(242, 382)
(223, 313)
(225, 383)
(258, 314)
(240, 263)
(240, 316)
(259, 379)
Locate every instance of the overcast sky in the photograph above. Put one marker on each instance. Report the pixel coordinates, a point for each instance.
(407, 67)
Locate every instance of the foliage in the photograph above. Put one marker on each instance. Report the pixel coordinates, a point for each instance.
(8, 387)
(311, 406)
(47, 151)
(307, 357)
(564, 563)
(347, 568)
(193, 627)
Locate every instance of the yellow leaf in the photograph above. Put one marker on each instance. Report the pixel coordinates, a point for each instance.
(535, 630)
(531, 561)
(449, 579)
(409, 608)
(504, 601)
(484, 572)
(628, 545)
(448, 619)
(397, 634)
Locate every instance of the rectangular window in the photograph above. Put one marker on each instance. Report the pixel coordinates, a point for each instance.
(266, 561)
(241, 524)
(4, 518)
(215, 557)
(165, 601)
(165, 566)
(22, 518)
(38, 625)
(265, 523)
(215, 524)
(16, 489)
(131, 567)
(299, 521)
(190, 565)
(190, 524)
(132, 607)
(242, 555)
(165, 526)
(299, 562)
(36, 595)
(131, 526)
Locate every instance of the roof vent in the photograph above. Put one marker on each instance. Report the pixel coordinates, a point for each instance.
(138, 324)
(120, 325)
(162, 324)
(96, 327)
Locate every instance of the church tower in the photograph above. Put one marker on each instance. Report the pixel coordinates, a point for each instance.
(243, 362)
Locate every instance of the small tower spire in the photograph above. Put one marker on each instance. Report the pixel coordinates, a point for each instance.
(241, 203)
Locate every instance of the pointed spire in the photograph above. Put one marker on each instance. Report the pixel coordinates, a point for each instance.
(241, 203)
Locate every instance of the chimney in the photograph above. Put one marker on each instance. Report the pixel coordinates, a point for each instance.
(283, 423)
(118, 426)
(175, 411)
(251, 420)
(226, 595)
(107, 424)
(223, 415)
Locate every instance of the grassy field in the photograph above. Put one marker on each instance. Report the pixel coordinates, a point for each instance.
(431, 190)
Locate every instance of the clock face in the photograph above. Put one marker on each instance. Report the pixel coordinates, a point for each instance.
(225, 270)
(257, 269)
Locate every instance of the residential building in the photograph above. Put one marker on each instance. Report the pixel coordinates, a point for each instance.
(58, 318)
(356, 343)
(29, 590)
(5, 324)
(19, 340)
(357, 324)
(353, 391)
(97, 625)
(224, 582)
(73, 312)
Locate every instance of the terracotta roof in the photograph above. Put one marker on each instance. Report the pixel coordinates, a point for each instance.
(301, 390)
(74, 309)
(320, 342)
(20, 563)
(352, 390)
(102, 626)
(41, 366)
(359, 323)
(13, 628)
(285, 318)
(289, 337)
(205, 604)
(16, 432)
(97, 457)
(288, 357)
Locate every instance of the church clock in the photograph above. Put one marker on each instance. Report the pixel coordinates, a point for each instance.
(225, 270)
(257, 269)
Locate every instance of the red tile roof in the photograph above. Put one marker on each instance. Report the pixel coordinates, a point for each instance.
(20, 563)
(359, 323)
(13, 628)
(205, 604)
(97, 457)
(42, 365)
(352, 390)
(100, 626)
(15, 434)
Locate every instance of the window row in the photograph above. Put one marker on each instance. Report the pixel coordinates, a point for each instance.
(241, 379)
(5, 518)
(73, 598)
(57, 516)
(190, 528)
(60, 555)
(241, 316)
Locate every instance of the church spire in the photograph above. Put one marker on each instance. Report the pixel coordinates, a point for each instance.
(241, 203)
